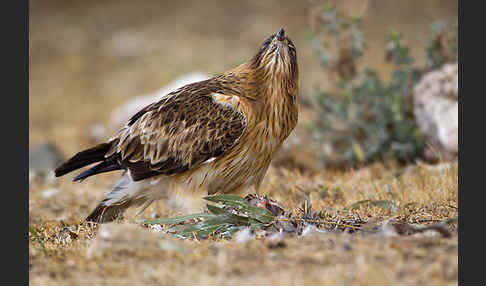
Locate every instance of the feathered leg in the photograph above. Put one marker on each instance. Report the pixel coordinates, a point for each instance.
(125, 193)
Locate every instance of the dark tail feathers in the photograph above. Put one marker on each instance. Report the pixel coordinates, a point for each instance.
(88, 157)
(106, 166)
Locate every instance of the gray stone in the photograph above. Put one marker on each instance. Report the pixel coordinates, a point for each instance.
(435, 106)
(43, 159)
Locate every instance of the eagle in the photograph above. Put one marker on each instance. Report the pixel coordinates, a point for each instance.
(213, 136)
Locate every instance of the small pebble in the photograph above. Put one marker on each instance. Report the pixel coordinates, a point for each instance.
(49, 193)
(243, 235)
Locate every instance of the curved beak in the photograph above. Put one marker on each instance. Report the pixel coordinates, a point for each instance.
(281, 35)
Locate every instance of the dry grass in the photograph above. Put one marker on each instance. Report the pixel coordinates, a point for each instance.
(64, 251)
(73, 63)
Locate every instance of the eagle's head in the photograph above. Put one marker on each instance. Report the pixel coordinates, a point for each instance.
(277, 57)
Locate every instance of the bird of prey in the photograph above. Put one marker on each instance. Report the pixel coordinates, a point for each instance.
(213, 136)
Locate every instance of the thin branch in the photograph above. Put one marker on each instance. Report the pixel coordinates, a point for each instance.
(318, 221)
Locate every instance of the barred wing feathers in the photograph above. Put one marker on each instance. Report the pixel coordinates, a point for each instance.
(180, 132)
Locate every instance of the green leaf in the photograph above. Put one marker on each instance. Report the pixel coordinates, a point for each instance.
(215, 210)
(179, 219)
(205, 228)
(223, 223)
(33, 231)
(220, 221)
(240, 204)
(230, 231)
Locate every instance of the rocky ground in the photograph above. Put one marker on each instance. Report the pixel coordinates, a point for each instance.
(63, 250)
(89, 58)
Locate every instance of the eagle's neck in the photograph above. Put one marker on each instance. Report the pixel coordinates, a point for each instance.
(270, 96)
(280, 110)
(274, 96)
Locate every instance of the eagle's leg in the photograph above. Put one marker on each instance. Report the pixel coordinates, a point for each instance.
(125, 193)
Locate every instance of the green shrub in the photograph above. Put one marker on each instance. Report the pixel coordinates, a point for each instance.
(363, 118)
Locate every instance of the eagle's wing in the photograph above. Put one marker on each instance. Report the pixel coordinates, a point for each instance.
(177, 133)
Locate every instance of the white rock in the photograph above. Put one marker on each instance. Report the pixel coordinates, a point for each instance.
(243, 235)
(49, 193)
(311, 229)
(387, 229)
(276, 236)
(121, 115)
(436, 108)
(155, 228)
(43, 159)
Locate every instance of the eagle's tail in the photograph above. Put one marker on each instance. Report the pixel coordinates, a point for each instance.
(87, 157)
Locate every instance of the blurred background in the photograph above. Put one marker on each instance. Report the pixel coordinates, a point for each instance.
(89, 59)
(377, 119)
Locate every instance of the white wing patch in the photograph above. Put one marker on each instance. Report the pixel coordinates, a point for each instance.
(226, 100)
(209, 160)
